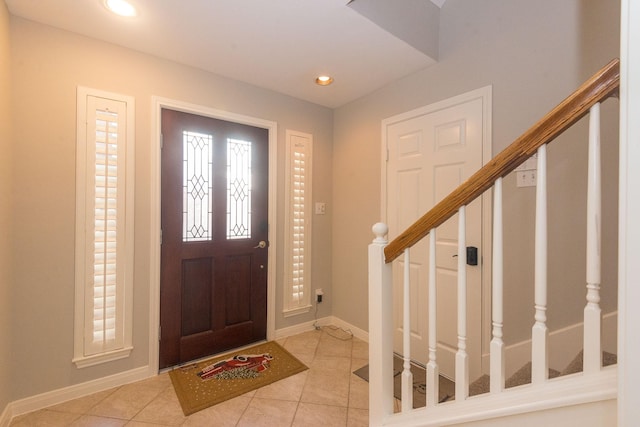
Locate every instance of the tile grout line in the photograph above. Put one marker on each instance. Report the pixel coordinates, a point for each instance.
(85, 413)
(315, 351)
(323, 348)
(145, 406)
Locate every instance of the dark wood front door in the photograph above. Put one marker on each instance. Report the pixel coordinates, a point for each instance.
(213, 279)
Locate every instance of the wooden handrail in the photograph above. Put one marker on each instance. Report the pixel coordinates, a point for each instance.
(600, 86)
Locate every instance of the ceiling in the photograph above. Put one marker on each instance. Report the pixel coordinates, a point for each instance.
(281, 45)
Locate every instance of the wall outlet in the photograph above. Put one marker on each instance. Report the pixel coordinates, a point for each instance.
(319, 295)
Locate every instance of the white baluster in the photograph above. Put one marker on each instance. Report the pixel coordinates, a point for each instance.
(497, 365)
(380, 330)
(407, 376)
(433, 372)
(462, 360)
(592, 313)
(539, 333)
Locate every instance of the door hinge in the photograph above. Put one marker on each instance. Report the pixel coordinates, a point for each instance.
(161, 236)
(159, 333)
(161, 141)
(387, 154)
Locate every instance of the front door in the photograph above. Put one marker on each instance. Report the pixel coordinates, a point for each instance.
(213, 276)
(431, 151)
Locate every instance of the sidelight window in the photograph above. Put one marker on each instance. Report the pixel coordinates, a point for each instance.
(297, 246)
(104, 227)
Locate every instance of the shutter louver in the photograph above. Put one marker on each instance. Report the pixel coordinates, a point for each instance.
(105, 235)
(105, 229)
(298, 223)
(298, 227)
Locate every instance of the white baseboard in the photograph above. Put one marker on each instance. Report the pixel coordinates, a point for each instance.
(301, 328)
(357, 332)
(41, 401)
(325, 321)
(569, 339)
(44, 400)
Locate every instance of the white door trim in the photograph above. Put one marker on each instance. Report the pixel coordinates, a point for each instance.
(483, 93)
(157, 103)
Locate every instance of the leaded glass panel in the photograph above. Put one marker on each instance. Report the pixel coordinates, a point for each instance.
(197, 187)
(238, 189)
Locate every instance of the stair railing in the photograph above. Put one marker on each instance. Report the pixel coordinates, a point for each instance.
(602, 85)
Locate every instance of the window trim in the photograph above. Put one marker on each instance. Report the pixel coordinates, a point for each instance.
(80, 357)
(304, 140)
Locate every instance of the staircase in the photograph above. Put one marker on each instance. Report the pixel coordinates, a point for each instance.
(523, 375)
(534, 394)
(482, 385)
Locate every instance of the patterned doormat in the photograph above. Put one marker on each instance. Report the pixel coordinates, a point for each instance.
(206, 383)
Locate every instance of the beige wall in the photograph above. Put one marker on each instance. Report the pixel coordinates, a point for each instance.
(5, 208)
(534, 54)
(48, 65)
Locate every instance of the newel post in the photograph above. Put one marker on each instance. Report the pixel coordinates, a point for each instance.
(380, 329)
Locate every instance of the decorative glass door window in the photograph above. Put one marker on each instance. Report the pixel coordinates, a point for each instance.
(238, 189)
(197, 187)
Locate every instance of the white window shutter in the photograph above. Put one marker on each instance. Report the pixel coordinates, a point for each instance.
(298, 215)
(104, 227)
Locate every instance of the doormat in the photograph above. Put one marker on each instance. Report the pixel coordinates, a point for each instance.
(206, 383)
(446, 387)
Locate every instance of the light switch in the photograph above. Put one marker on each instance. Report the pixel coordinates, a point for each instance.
(526, 172)
(321, 208)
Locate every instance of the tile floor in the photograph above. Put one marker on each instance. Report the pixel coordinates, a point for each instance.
(326, 395)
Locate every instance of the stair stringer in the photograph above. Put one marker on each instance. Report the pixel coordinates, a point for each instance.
(566, 399)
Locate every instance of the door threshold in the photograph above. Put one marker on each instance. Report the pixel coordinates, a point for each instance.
(201, 359)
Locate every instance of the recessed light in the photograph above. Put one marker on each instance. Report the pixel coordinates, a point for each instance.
(324, 80)
(121, 7)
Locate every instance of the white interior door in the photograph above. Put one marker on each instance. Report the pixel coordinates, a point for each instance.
(430, 152)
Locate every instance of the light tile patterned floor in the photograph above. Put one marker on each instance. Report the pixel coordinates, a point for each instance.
(326, 395)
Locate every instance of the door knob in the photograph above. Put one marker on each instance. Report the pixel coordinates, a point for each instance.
(261, 245)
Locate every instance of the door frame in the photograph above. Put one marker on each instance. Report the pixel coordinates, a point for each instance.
(485, 94)
(158, 103)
